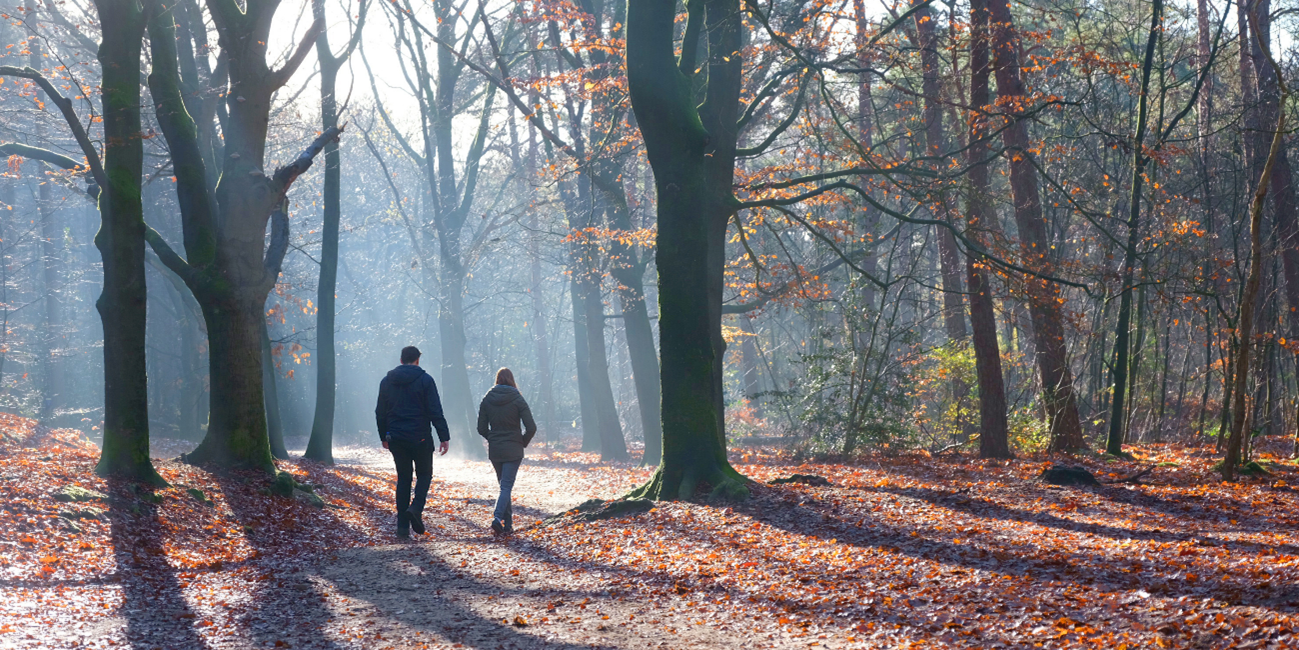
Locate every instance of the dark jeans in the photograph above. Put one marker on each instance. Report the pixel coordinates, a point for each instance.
(408, 456)
(506, 472)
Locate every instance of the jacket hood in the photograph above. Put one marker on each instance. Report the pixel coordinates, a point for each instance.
(405, 374)
(501, 395)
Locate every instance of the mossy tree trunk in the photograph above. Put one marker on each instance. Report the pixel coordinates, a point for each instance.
(692, 153)
(227, 265)
(120, 241)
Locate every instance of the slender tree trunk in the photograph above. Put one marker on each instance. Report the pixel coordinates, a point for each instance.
(613, 446)
(1044, 296)
(321, 445)
(52, 379)
(274, 424)
(1114, 442)
(993, 436)
(641, 351)
(1245, 318)
(540, 339)
(582, 357)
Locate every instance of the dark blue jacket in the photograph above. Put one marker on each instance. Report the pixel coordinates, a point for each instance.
(408, 404)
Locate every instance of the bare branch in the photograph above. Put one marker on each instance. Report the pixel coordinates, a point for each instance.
(65, 105)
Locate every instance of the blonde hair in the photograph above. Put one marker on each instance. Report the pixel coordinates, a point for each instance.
(506, 376)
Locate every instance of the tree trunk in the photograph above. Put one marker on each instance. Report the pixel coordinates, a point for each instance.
(321, 445)
(582, 358)
(613, 446)
(1245, 318)
(457, 401)
(228, 265)
(1044, 296)
(628, 272)
(120, 241)
(993, 436)
(692, 153)
(237, 434)
(274, 424)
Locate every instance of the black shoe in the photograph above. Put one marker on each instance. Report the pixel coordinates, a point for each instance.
(497, 526)
(416, 524)
(403, 524)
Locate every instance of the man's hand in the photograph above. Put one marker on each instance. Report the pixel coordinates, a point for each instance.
(442, 449)
(385, 444)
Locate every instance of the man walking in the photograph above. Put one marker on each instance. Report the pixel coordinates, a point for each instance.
(408, 410)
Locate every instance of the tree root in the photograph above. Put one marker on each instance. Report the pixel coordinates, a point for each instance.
(805, 479)
(596, 509)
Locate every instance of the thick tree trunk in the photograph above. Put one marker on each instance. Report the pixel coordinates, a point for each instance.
(993, 436)
(237, 435)
(120, 241)
(1044, 296)
(691, 151)
(228, 265)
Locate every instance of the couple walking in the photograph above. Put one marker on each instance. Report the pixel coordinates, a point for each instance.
(408, 411)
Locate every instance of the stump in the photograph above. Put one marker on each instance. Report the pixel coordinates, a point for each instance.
(1068, 475)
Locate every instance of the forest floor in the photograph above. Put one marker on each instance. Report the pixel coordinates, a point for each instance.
(897, 551)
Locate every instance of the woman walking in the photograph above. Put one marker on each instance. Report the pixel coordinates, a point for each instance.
(500, 414)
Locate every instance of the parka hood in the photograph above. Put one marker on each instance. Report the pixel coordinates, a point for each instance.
(501, 395)
(405, 374)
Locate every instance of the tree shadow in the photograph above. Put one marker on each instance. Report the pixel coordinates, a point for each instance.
(978, 507)
(415, 587)
(153, 602)
(1040, 566)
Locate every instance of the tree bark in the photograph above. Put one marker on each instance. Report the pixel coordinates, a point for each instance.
(120, 242)
(1245, 317)
(1044, 296)
(993, 436)
(1114, 441)
(692, 153)
(274, 424)
(228, 266)
(321, 445)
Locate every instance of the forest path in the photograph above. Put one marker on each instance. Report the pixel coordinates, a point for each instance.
(458, 586)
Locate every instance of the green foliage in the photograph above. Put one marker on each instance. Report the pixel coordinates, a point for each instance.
(1029, 432)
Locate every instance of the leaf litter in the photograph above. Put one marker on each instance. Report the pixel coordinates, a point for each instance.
(895, 551)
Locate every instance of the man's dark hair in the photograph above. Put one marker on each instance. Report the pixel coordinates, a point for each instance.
(409, 354)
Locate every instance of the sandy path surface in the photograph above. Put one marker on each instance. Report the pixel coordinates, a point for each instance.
(459, 587)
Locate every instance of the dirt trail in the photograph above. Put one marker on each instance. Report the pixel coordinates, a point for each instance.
(457, 586)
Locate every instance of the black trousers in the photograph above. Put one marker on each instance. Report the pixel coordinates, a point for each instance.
(417, 458)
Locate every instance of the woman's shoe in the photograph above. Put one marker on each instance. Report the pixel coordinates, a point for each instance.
(497, 526)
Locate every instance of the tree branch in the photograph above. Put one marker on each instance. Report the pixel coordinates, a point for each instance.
(279, 246)
(289, 173)
(168, 255)
(280, 77)
(65, 106)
